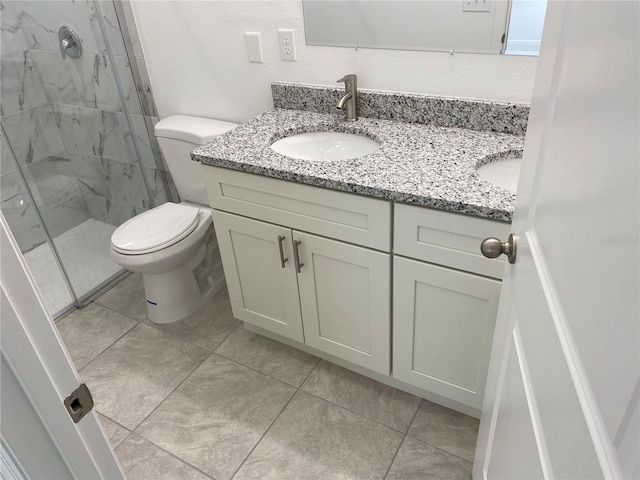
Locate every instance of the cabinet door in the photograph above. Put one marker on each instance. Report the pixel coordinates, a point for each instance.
(345, 299)
(261, 291)
(443, 323)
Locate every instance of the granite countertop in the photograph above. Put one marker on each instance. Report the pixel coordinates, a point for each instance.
(417, 164)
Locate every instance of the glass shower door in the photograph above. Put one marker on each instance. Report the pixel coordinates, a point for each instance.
(83, 162)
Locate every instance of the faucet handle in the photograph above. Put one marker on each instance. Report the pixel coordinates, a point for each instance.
(70, 45)
(348, 78)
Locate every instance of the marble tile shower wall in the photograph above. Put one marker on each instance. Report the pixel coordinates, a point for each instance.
(65, 120)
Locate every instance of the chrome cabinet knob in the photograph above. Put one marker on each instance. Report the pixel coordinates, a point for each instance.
(492, 248)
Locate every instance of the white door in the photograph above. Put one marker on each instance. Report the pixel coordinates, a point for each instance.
(563, 389)
(34, 356)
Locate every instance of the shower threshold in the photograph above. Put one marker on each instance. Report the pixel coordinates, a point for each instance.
(84, 252)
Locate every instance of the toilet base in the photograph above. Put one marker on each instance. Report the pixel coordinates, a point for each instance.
(175, 295)
(180, 278)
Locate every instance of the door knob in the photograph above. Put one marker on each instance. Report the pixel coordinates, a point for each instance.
(492, 247)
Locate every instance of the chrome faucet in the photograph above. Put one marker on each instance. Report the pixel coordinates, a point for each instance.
(350, 97)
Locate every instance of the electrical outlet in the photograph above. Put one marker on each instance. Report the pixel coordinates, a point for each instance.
(287, 44)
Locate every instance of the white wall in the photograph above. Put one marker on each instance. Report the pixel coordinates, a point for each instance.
(197, 61)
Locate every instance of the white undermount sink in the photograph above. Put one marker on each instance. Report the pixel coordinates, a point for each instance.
(503, 173)
(325, 146)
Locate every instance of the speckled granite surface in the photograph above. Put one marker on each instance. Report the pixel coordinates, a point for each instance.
(437, 111)
(417, 164)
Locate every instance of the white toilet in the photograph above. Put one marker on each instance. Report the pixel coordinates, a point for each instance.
(174, 245)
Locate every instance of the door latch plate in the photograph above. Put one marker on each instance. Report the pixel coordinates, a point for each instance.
(79, 403)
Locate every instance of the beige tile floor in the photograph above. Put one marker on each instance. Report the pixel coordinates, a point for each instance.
(206, 399)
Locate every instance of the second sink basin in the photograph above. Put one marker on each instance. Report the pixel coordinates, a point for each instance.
(325, 146)
(503, 173)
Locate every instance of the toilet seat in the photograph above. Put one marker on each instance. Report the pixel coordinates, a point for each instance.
(155, 229)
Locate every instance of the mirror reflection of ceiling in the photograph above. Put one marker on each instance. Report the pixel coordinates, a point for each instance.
(473, 26)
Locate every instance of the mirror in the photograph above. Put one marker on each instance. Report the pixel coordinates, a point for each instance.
(471, 26)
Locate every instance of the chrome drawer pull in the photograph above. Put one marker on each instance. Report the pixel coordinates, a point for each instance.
(282, 259)
(296, 255)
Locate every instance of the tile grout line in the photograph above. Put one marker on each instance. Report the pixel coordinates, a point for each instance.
(114, 421)
(184, 462)
(256, 370)
(142, 322)
(413, 419)
(184, 379)
(253, 369)
(133, 430)
(427, 443)
(213, 352)
(415, 414)
(264, 434)
(395, 455)
(275, 419)
(119, 283)
(298, 388)
(176, 387)
(116, 311)
(103, 351)
(354, 412)
(315, 367)
(440, 449)
(318, 396)
(357, 413)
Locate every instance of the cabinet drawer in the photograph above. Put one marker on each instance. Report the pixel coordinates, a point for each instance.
(448, 239)
(343, 216)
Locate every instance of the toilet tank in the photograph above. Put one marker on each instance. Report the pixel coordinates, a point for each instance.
(177, 136)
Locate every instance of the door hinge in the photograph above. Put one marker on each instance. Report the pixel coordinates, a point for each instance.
(79, 403)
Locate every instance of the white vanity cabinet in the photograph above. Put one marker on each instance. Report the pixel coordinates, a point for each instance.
(331, 295)
(445, 302)
(316, 266)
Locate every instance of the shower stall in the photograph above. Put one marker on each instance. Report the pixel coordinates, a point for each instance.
(78, 155)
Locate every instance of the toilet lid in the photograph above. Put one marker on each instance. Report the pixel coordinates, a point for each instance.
(155, 229)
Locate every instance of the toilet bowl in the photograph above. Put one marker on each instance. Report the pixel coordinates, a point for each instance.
(167, 244)
(174, 246)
